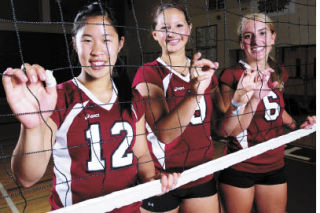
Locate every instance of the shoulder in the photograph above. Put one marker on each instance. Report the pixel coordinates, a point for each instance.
(150, 66)
(232, 71)
(67, 85)
(138, 104)
(136, 95)
(215, 80)
(231, 75)
(152, 72)
(70, 93)
(65, 92)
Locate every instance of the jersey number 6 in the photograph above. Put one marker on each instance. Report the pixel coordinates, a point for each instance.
(272, 108)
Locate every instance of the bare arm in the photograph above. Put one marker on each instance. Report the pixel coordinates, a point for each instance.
(32, 153)
(224, 97)
(168, 125)
(291, 123)
(231, 121)
(288, 120)
(30, 157)
(146, 170)
(242, 103)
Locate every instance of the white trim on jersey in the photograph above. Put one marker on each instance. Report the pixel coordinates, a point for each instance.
(158, 148)
(185, 78)
(243, 139)
(62, 158)
(134, 111)
(165, 83)
(106, 106)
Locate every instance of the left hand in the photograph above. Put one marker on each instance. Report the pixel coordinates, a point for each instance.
(309, 122)
(169, 181)
(262, 88)
(252, 84)
(201, 73)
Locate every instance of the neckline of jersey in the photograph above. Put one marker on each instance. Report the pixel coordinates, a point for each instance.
(185, 78)
(106, 106)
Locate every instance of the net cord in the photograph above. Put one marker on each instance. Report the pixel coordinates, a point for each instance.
(143, 191)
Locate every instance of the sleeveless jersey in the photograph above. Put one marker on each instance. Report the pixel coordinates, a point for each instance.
(194, 146)
(93, 153)
(266, 124)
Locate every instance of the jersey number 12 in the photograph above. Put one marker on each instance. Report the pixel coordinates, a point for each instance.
(120, 157)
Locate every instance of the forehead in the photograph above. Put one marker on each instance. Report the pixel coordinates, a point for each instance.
(94, 25)
(253, 25)
(170, 14)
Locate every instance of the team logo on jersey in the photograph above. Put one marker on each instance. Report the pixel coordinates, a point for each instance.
(178, 89)
(91, 116)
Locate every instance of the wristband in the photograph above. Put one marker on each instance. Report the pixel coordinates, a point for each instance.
(237, 106)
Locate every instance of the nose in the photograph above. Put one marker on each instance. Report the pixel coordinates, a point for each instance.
(170, 31)
(98, 48)
(253, 39)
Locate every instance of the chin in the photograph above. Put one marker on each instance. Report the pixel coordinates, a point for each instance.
(173, 49)
(257, 58)
(98, 73)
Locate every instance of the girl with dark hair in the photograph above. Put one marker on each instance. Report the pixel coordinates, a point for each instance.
(93, 125)
(178, 112)
(253, 98)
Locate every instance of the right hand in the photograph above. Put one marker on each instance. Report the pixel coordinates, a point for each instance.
(169, 181)
(201, 73)
(309, 122)
(253, 84)
(28, 98)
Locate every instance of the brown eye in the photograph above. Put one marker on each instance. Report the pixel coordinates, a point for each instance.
(86, 40)
(247, 36)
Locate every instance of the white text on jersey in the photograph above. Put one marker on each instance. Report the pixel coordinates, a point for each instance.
(92, 116)
(178, 88)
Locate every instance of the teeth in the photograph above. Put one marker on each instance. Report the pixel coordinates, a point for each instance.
(173, 41)
(97, 63)
(257, 49)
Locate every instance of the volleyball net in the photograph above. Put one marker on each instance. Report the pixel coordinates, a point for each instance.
(213, 35)
(143, 191)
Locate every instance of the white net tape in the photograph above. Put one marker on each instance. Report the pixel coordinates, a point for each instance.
(146, 190)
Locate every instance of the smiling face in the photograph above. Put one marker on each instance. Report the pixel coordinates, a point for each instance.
(97, 47)
(172, 31)
(256, 41)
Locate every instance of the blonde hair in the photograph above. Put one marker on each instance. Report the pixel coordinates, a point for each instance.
(255, 17)
(277, 75)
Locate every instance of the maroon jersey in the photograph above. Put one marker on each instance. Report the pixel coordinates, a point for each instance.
(93, 153)
(266, 124)
(194, 146)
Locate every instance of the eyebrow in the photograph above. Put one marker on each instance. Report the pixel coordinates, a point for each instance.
(84, 35)
(88, 35)
(262, 29)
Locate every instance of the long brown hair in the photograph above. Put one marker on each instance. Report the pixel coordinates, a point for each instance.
(162, 7)
(119, 75)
